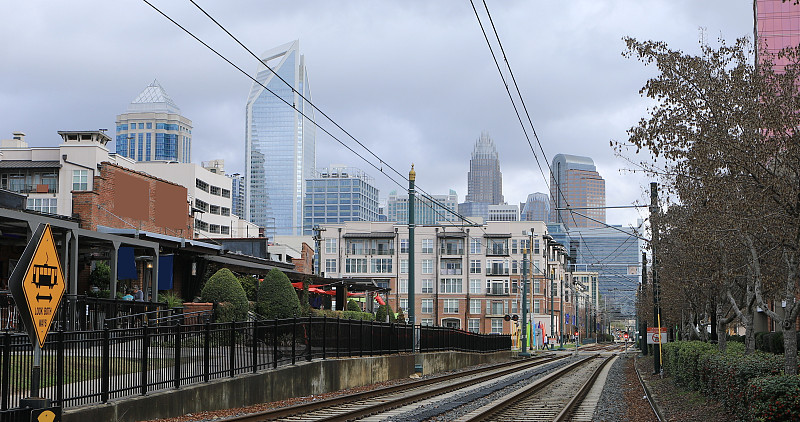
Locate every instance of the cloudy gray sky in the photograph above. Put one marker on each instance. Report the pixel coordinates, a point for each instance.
(412, 80)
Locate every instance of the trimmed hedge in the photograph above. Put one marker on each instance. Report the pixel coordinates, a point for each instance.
(223, 287)
(276, 296)
(352, 305)
(775, 398)
(728, 377)
(366, 316)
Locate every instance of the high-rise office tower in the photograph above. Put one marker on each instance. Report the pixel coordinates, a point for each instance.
(574, 181)
(777, 27)
(427, 211)
(237, 193)
(279, 144)
(484, 180)
(339, 194)
(536, 208)
(153, 129)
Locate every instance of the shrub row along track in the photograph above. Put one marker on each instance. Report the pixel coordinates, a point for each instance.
(359, 405)
(552, 397)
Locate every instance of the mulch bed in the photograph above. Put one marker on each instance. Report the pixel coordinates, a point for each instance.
(676, 403)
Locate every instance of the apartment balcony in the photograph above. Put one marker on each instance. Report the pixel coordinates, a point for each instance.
(496, 271)
(496, 251)
(497, 290)
(451, 251)
(450, 271)
(387, 252)
(34, 189)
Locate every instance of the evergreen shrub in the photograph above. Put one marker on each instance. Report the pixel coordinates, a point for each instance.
(224, 288)
(276, 297)
(352, 305)
(774, 398)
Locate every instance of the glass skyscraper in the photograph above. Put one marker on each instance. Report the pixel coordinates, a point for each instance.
(574, 181)
(279, 144)
(536, 208)
(777, 27)
(484, 180)
(426, 211)
(153, 129)
(339, 194)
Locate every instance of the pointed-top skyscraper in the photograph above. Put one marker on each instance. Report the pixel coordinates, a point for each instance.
(153, 129)
(484, 180)
(279, 143)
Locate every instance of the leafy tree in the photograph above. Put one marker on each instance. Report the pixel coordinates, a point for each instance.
(401, 317)
(224, 288)
(100, 275)
(276, 296)
(723, 139)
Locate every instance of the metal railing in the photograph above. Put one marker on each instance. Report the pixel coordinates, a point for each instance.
(95, 366)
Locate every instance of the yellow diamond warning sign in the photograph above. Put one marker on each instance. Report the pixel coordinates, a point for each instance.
(41, 286)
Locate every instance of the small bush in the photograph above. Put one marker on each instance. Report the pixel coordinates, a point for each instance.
(383, 312)
(171, 299)
(352, 305)
(774, 398)
(276, 296)
(250, 286)
(224, 289)
(100, 276)
(366, 316)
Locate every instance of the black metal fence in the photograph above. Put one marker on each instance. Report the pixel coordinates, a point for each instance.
(93, 366)
(79, 312)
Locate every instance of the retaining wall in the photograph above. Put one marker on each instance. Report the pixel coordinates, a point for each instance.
(304, 379)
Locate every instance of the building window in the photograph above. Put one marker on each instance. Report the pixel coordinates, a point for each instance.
(80, 179)
(214, 209)
(45, 205)
(475, 306)
(356, 265)
(427, 285)
(513, 245)
(215, 190)
(404, 304)
(330, 266)
(450, 306)
(427, 266)
(199, 184)
(201, 225)
(226, 193)
(475, 286)
(525, 245)
(225, 229)
(450, 285)
(536, 247)
(214, 228)
(514, 266)
(536, 307)
(426, 321)
(514, 307)
(474, 325)
(497, 326)
(402, 285)
(475, 245)
(225, 211)
(403, 266)
(381, 265)
(427, 306)
(201, 205)
(427, 245)
(474, 266)
(537, 287)
(403, 245)
(330, 245)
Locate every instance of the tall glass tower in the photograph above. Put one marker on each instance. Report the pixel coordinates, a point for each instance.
(279, 144)
(153, 129)
(575, 182)
(777, 27)
(484, 180)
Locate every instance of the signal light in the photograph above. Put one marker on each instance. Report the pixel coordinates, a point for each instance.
(515, 317)
(507, 317)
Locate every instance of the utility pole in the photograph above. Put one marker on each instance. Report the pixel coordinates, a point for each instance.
(412, 176)
(317, 238)
(524, 303)
(642, 321)
(654, 215)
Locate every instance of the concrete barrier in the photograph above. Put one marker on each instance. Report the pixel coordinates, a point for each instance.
(304, 379)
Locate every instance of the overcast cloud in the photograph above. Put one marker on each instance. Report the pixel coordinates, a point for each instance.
(412, 80)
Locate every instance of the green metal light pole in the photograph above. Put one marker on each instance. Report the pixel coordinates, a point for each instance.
(524, 303)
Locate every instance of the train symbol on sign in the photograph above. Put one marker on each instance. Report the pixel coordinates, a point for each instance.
(45, 275)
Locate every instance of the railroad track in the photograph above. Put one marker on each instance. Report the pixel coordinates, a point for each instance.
(552, 397)
(359, 405)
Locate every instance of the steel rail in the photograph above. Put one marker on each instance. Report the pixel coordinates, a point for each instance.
(487, 412)
(578, 398)
(284, 412)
